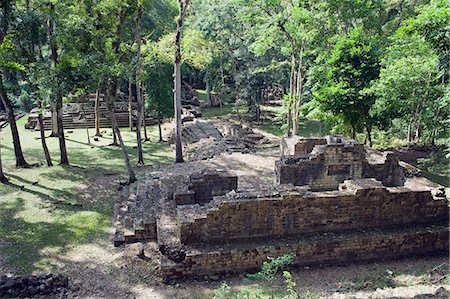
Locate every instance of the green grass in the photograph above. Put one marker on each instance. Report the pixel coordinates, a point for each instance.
(46, 211)
(224, 111)
(202, 96)
(306, 128)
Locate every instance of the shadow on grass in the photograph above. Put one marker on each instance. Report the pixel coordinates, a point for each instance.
(28, 240)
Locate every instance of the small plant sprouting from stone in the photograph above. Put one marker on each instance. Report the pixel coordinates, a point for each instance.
(268, 273)
(271, 267)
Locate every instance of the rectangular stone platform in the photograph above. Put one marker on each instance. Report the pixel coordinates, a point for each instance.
(323, 248)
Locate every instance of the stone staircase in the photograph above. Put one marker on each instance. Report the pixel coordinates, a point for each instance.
(135, 217)
(81, 114)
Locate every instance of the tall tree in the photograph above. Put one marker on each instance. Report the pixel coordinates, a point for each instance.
(6, 63)
(140, 104)
(43, 142)
(64, 160)
(350, 69)
(111, 96)
(183, 4)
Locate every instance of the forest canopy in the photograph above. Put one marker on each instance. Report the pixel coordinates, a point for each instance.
(375, 68)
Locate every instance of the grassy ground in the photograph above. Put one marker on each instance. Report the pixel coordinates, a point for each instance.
(46, 211)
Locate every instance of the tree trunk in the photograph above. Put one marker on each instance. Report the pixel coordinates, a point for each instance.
(298, 94)
(138, 86)
(177, 82)
(369, 135)
(417, 136)
(62, 140)
(54, 117)
(408, 138)
(291, 96)
(159, 128)
(353, 132)
(113, 116)
(3, 178)
(112, 86)
(20, 159)
(143, 114)
(208, 94)
(97, 114)
(85, 123)
(59, 115)
(44, 144)
(130, 107)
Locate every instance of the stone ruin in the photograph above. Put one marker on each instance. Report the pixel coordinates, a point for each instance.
(332, 201)
(324, 163)
(81, 114)
(204, 139)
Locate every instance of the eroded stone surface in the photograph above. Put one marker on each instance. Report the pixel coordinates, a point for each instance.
(324, 163)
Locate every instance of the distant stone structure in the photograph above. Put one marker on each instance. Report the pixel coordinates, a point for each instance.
(334, 201)
(81, 113)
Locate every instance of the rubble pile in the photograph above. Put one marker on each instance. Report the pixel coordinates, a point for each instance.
(32, 285)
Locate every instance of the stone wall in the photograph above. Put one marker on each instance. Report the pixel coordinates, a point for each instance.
(389, 172)
(359, 204)
(291, 146)
(323, 164)
(327, 248)
(203, 186)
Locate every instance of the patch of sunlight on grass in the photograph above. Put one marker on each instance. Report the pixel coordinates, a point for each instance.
(48, 264)
(91, 253)
(225, 110)
(83, 224)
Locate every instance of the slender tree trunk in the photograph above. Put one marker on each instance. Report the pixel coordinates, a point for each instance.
(20, 159)
(159, 128)
(291, 97)
(143, 114)
(298, 95)
(59, 113)
(44, 143)
(130, 107)
(435, 125)
(54, 117)
(138, 85)
(369, 135)
(112, 86)
(409, 133)
(85, 124)
(3, 178)
(53, 106)
(208, 94)
(62, 140)
(112, 116)
(177, 82)
(417, 137)
(353, 132)
(97, 113)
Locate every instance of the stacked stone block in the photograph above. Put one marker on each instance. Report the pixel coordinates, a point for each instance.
(359, 204)
(324, 163)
